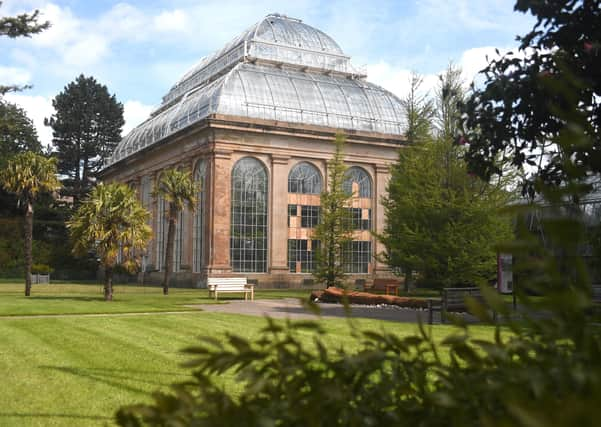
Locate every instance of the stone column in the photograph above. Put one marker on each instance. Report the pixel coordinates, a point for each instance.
(382, 177)
(279, 214)
(154, 212)
(220, 213)
(188, 219)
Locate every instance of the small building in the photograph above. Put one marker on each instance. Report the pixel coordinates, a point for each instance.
(255, 124)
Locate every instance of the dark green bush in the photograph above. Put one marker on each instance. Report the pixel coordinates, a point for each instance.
(41, 269)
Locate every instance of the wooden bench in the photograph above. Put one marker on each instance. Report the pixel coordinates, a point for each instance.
(453, 300)
(40, 279)
(222, 285)
(388, 286)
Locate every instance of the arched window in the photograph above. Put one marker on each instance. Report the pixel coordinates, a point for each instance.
(199, 215)
(357, 182)
(304, 178)
(248, 241)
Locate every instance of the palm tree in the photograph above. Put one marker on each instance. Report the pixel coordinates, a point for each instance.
(178, 189)
(109, 219)
(27, 175)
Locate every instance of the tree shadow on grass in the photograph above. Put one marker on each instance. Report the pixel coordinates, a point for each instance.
(67, 298)
(118, 378)
(50, 415)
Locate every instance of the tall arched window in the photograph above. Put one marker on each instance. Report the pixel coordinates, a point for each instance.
(304, 178)
(248, 241)
(199, 215)
(357, 182)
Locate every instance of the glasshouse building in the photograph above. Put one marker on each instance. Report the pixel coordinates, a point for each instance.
(254, 123)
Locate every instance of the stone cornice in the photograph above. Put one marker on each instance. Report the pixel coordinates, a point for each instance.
(277, 159)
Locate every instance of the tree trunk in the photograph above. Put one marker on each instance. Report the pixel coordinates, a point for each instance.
(169, 249)
(108, 283)
(28, 243)
(408, 277)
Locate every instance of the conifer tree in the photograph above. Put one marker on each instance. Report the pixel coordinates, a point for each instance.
(86, 128)
(418, 109)
(441, 221)
(334, 231)
(17, 132)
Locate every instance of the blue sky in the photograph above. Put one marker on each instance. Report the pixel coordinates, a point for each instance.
(140, 48)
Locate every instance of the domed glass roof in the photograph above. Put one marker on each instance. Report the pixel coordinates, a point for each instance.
(279, 69)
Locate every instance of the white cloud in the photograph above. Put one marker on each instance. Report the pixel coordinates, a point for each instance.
(37, 108)
(89, 50)
(123, 22)
(397, 79)
(65, 27)
(175, 20)
(14, 75)
(474, 60)
(134, 113)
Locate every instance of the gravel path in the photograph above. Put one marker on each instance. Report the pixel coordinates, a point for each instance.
(292, 308)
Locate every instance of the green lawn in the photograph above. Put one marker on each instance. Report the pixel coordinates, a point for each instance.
(66, 298)
(77, 370)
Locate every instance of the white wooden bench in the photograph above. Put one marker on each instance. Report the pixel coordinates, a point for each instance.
(40, 278)
(219, 285)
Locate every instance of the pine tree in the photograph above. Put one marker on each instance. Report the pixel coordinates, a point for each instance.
(86, 128)
(17, 132)
(441, 221)
(334, 231)
(418, 110)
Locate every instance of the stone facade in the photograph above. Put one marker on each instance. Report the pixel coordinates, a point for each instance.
(255, 124)
(222, 141)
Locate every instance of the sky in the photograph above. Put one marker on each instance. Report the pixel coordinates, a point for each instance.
(139, 49)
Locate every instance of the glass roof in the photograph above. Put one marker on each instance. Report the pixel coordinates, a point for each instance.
(279, 69)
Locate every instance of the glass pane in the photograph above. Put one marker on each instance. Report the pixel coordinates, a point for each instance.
(248, 242)
(304, 178)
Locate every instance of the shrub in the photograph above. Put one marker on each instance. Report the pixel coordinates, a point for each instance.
(41, 269)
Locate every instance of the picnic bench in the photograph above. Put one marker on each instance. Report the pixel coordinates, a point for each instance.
(388, 286)
(453, 300)
(217, 285)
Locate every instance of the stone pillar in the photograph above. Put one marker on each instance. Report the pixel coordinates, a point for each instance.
(154, 212)
(188, 231)
(220, 213)
(279, 214)
(382, 177)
